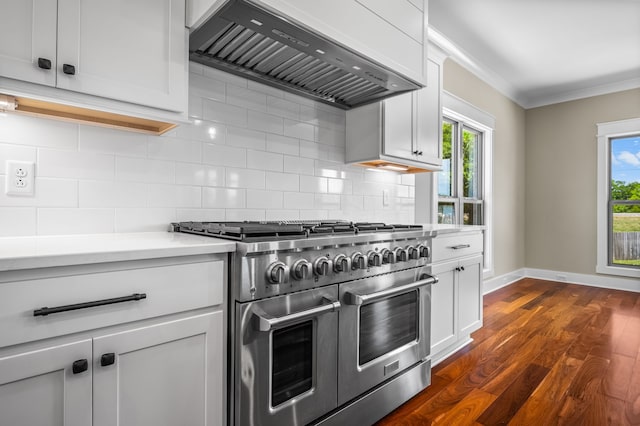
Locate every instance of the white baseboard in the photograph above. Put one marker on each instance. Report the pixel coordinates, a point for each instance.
(604, 281)
(496, 283)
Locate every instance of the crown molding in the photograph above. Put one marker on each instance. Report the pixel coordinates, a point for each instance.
(486, 74)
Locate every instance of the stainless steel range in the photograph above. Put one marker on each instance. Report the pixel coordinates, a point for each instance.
(330, 320)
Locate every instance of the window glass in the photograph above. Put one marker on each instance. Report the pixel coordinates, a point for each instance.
(445, 181)
(624, 190)
(446, 212)
(470, 163)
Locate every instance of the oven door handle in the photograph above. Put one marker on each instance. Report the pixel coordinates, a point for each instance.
(265, 322)
(360, 299)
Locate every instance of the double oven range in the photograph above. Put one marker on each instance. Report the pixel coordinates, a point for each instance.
(330, 320)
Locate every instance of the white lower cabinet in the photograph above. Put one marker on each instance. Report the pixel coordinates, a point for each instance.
(456, 300)
(47, 387)
(155, 367)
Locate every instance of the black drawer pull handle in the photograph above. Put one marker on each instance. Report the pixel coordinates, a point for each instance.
(79, 366)
(68, 69)
(46, 311)
(460, 246)
(44, 63)
(108, 359)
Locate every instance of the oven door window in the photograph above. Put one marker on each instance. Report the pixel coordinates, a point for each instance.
(292, 362)
(387, 324)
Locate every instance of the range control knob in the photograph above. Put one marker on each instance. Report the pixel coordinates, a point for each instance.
(412, 253)
(322, 266)
(401, 254)
(388, 256)
(301, 269)
(375, 258)
(358, 261)
(423, 251)
(277, 273)
(341, 263)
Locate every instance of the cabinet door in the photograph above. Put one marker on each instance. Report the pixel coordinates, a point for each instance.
(162, 375)
(28, 32)
(429, 118)
(470, 290)
(130, 50)
(39, 388)
(398, 126)
(443, 307)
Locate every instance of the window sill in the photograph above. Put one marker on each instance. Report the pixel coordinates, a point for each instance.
(619, 271)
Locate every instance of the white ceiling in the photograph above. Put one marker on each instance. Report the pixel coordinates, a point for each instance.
(540, 52)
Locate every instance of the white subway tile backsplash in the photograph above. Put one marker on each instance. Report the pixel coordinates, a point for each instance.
(199, 175)
(224, 113)
(17, 221)
(223, 198)
(283, 108)
(246, 138)
(245, 214)
(174, 196)
(326, 202)
(79, 165)
(264, 161)
(243, 97)
(75, 221)
(283, 144)
(110, 141)
(202, 215)
(298, 200)
(259, 199)
(313, 184)
(265, 122)
(282, 181)
(298, 165)
(282, 215)
(34, 131)
(143, 170)
(100, 193)
(206, 88)
(245, 178)
(144, 220)
(223, 155)
(48, 193)
(15, 152)
(263, 88)
(169, 148)
(297, 129)
(250, 152)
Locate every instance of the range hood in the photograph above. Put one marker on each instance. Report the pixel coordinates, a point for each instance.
(245, 39)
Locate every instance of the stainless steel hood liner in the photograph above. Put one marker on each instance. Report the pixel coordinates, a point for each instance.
(247, 40)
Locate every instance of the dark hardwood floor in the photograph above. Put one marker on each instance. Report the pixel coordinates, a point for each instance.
(549, 353)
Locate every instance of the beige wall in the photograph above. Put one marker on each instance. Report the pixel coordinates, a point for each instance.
(561, 162)
(508, 164)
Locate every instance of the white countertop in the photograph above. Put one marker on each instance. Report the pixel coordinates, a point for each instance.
(437, 229)
(63, 250)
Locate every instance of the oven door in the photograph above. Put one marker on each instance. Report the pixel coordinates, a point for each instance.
(384, 328)
(286, 358)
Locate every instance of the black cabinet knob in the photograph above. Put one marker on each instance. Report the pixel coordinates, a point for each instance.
(79, 366)
(68, 69)
(107, 359)
(462, 268)
(43, 63)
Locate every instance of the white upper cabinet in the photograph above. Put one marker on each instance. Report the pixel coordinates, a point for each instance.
(28, 37)
(392, 33)
(128, 50)
(404, 129)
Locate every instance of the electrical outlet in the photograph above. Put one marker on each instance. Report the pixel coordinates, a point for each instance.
(385, 197)
(20, 178)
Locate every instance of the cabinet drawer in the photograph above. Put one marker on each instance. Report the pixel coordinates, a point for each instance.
(169, 289)
(452, 246)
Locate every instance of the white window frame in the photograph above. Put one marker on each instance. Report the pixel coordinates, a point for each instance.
(427, 198)
(606, 132)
